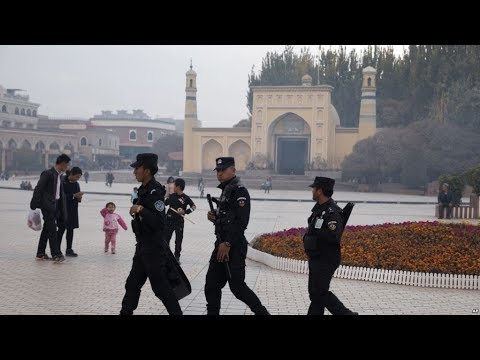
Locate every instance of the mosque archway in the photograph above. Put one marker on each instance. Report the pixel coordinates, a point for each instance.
(241, 152)
(289, 144)
(211, 150)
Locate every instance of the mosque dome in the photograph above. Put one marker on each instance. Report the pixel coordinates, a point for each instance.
(306, 80)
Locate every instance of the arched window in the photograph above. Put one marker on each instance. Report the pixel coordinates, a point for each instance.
(83, 141)
(54, 146)
(191, 83)
(369, 82)
(34, 113)
(40, 146)
(29, 113)
(12, 144)
(150, 136)
(4, 108)
(17, 112)
(132, 136)
(26, 144)
(99, 142)
(22, 112)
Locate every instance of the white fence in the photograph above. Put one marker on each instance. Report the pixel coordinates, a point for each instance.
(379, 275)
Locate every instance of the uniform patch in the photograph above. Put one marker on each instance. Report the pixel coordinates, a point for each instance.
(159, 205)
(332, 225)
(151, 192)
(241, 203)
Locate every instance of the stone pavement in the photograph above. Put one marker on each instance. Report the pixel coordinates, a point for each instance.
(93, 283)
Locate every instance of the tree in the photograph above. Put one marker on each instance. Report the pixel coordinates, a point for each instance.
(414, 169)
(472, 177)
(166, 144)
(436, 82)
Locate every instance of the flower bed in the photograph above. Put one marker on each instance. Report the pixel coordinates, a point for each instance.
(434, 247)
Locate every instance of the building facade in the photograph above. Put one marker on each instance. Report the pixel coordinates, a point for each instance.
(137, 132)
(22, 145)
(96, 146)
(293, 128)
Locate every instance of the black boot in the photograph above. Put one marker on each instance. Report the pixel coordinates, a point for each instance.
(261, 310)
(71, 253)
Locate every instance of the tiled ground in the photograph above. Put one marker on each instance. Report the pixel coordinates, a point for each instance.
(93, 283)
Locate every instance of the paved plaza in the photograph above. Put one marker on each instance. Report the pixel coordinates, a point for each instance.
(93, 283)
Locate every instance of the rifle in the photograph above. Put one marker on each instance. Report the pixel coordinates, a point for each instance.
(217, 234)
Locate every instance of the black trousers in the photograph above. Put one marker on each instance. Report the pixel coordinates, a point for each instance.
(49, 234)
(177, 227)
(217, 278)
(69, 236)
(441, 211)
(320, 275)
(149, 263)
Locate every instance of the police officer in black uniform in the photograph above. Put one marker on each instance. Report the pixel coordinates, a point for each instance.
(150, 259)
(231, 220)
(322, 246)
(178, 201)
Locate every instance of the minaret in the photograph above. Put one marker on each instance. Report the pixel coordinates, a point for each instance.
(367, 124)
(190, 119)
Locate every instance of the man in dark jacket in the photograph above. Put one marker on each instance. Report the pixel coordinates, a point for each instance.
(231, 220)
(322, 246)
(48, 196)
(150, 259)
(445, 202)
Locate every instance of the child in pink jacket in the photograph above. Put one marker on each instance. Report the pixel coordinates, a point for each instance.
(110, 225)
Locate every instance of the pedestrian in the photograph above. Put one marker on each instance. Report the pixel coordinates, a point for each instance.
(148, 224)
(170, 186)
(109, 179)
(322, 246)
(86, 176)
(110, 225)
(48, 196)
(178, 203)
(134, 195)
(230, 219)
(201, 187)
(445, 202)
(73, 196)
(266, 186)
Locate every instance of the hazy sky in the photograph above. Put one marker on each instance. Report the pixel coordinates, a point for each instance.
(80, 81)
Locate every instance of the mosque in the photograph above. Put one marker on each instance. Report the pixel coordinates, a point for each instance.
(291, 126)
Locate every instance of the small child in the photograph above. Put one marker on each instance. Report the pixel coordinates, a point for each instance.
(110, 225)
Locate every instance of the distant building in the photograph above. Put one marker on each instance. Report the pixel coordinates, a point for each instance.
(175, 161)
(292, 126)
(16, 110)
(137, 132)
(99, 146)
(20, 139)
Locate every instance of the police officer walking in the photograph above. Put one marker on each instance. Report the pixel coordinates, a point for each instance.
(322, 246)
(150, 259)
(231, 220)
